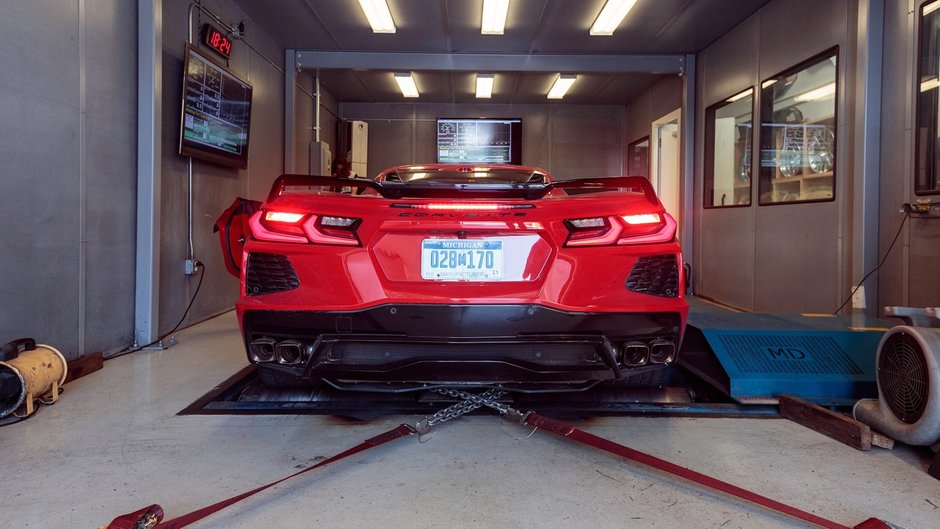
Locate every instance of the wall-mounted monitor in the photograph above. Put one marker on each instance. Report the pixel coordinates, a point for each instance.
(216, 112)
(464, 140)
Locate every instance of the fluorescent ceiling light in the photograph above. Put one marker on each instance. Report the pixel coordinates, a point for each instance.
(930, 8)
(407, 84)
(822, 92)
(767, 83)
(738, 97)
(494, 17)
(611, 16)
(484, 85)
(561, 86)
(379, 17)
(929, 84)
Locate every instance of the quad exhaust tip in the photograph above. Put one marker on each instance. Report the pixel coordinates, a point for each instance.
(636, 354)
(287, 352)
(662, 351)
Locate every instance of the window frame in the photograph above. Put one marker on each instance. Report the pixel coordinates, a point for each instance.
(767, 106)
(917, 106)
(708, 170)
(630, 148)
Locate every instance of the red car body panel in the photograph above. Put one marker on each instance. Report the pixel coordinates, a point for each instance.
(381, 266)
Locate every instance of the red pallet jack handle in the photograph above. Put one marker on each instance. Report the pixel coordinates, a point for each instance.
(570, 432)
(150, 517)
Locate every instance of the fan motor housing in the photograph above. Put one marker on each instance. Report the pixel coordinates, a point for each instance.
(908, 405)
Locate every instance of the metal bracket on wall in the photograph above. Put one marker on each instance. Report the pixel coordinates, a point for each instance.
(160, 345)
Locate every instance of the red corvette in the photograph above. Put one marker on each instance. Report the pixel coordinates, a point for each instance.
(447, 275)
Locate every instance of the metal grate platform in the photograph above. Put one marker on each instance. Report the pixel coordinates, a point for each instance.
(825, 359)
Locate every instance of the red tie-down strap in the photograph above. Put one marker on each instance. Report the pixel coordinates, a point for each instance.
(150, 517)
(566, 430)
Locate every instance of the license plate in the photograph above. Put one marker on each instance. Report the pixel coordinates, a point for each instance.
(462, 259)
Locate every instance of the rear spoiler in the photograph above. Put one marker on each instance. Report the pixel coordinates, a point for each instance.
(397, 190)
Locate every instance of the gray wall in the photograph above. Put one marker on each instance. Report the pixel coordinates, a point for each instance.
(909, 276)
(639, 114)
(570, 141)
(214, 186)
(68, 74)
(68, 165)
(782, 258)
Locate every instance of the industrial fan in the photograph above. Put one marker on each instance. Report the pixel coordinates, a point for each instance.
(908, 404)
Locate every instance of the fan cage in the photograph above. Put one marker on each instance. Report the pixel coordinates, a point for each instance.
(903, 377)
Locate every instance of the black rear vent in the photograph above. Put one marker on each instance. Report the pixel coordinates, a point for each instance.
(657, 275)
(268, 273)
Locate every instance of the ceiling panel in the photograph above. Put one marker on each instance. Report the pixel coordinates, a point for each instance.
(532, 27)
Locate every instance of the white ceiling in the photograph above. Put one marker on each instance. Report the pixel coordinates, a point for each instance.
(532, 27)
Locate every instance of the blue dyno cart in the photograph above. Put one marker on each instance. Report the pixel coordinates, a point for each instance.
(754, 357)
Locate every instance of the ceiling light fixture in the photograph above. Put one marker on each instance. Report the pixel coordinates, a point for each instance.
(379, 16)
(485, 85)
(561, 86)
(822, 92)
(929, 84)
(738, 97)
(494, 17)
(611, 16)
(930, 8)
(768, 83)
(406, 83)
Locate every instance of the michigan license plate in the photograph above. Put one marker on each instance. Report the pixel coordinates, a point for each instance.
(462, 259)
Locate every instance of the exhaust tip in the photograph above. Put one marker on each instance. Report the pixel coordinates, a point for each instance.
(262, 349)
(289, 352)
(662, 351)
(636, 354)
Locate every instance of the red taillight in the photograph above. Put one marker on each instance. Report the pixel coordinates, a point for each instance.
(326, 229)
(281, 226)
(627, 229)
(591, 231)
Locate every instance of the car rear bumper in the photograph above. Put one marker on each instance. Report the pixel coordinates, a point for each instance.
(402, 346)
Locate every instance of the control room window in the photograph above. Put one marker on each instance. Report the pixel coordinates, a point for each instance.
(798, 133)
(728, 140)
(927, 165)
(638, 158)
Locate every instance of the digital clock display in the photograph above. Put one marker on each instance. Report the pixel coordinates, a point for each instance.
(215, 39)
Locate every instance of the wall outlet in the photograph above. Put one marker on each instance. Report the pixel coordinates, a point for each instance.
(858, 298)
(190, 266)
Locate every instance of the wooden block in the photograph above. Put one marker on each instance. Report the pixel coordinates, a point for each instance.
(826, 422)
(881, 441)
(85, 365)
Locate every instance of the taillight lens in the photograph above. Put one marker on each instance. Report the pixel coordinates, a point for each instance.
(332, 230)
(282, 226)
(642, 228)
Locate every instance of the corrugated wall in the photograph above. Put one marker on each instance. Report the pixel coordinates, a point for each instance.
(68, 74)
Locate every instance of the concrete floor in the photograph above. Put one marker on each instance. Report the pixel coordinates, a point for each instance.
(113, 444)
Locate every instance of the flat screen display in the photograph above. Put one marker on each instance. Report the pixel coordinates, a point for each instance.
(461, 140)
(216, 112)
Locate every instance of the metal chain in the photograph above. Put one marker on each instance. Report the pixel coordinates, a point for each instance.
(469, 402)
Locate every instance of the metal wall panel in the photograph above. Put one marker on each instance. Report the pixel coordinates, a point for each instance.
(111, 164)
(909, 275)
(725, 249)
(40, 172)
(214, 186)
(799, 248)
(401, 133)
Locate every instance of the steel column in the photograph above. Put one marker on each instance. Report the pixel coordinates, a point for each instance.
(149, 129)
(290, 79)
(688, 156)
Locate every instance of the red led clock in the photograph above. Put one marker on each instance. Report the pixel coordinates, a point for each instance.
(215, 39)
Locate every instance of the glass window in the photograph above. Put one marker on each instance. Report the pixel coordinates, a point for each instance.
(638, 158)
(927, 164)
(798, 133)
(728, 134)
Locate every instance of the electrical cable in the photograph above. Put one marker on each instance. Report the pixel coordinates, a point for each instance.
(883, 259)
(202, 274)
